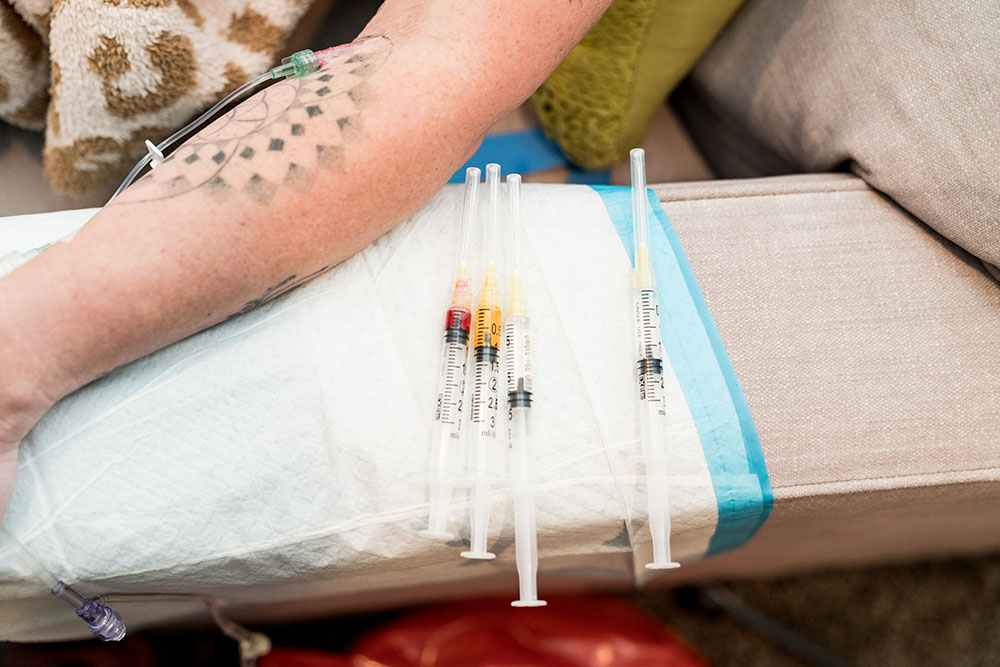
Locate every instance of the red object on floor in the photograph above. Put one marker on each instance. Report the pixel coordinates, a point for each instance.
(569, 632)
(302, 657)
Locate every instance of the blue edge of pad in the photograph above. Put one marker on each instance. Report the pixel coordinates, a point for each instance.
(718, 406)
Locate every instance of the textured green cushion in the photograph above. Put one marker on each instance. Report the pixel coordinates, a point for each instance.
(599, 101)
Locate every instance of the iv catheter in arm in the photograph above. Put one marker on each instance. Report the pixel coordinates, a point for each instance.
(486, 335)
(517, 334)
(447, 435)
(103, 621)
(649, 372)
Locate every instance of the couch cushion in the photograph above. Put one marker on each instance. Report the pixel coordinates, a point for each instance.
(906, 93)
(866, 346)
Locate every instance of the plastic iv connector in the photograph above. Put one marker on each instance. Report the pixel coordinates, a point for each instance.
(103, 621)
(649, 373)
(305, 62)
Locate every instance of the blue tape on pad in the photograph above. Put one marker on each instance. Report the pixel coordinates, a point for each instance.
(699, 359)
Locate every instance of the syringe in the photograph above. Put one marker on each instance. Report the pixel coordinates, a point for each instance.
(649, 372)
(486, 333)
(103, 621)
(447, 436)
(517, 342)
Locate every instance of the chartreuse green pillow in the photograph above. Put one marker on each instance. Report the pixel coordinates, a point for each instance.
(598, 103)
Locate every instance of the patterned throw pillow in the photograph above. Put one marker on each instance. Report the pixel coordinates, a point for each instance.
(103, 75)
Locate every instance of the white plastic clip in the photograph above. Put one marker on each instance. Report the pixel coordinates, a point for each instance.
(155, 154)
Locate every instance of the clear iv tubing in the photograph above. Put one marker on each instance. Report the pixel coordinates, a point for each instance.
(517, 343)
(165, 147)
(447, 433)
(103, 621)
(486, 336)
(649, 373)
(298, 64)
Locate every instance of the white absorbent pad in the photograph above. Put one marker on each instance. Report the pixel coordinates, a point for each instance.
(276, 461)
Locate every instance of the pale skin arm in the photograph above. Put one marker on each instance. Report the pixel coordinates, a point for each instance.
(206, 237)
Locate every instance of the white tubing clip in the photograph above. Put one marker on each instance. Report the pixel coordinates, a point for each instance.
(155, 155)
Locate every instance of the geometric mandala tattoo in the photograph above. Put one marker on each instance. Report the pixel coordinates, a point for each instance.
(245, 151)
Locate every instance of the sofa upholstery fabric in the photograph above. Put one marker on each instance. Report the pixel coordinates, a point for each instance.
(904, 93)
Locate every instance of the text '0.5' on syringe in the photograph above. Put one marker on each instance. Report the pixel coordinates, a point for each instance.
(649, 372)
(446, 440)
(486, 334)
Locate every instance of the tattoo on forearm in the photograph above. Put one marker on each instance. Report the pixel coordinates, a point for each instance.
(275, 291)
(279, 138)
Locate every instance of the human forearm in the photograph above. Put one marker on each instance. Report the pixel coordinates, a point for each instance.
(219, 228)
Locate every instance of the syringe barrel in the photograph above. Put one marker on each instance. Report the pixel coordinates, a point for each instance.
(648, 342)
(447, 433)
(485, 394)
(517, 342)
(451, 382)
(486, 335)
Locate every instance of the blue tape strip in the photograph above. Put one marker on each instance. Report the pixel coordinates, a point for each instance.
(518, 152)
(526, 152)
(700, 362)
